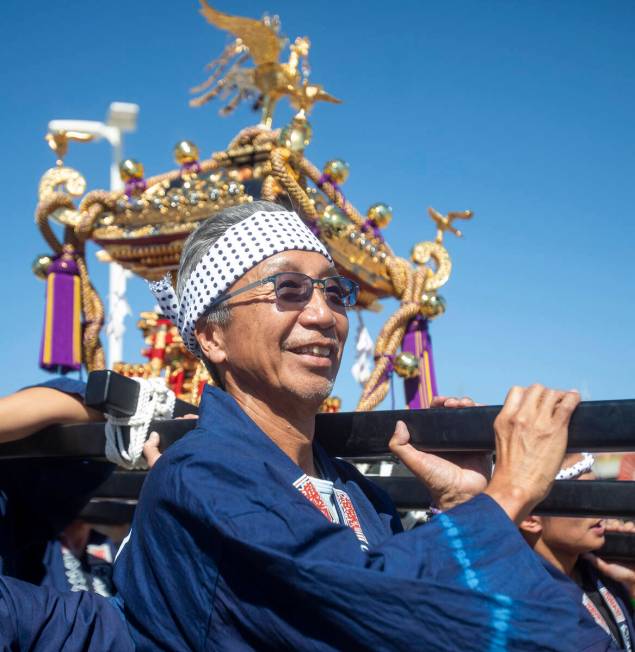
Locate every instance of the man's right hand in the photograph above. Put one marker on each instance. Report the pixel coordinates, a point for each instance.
(531, 440)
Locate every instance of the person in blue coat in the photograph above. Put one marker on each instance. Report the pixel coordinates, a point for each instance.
(248, 536)
(46, 601)
(565, 544)
(39, 499)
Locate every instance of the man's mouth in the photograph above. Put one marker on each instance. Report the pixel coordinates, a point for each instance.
(313, 349)
(598, 527)
(321, 354)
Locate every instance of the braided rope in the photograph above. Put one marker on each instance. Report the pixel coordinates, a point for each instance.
(268, 190)
(331, 192)
(94, 313)
(390, 340)
(281, 169)
(44, 209)
(156, 401)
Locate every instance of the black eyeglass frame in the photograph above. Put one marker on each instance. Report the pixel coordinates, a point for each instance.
(315, 282)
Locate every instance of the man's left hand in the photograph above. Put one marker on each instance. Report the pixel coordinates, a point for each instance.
(452, 479)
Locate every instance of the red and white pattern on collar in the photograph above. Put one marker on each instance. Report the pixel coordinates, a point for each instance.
(345, 504)
(616, 612)
(618, 616)
(308, 490)
(612, 604)
(349, 514)
(595, 612)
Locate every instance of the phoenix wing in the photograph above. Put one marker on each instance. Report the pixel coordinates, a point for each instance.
(263, 43)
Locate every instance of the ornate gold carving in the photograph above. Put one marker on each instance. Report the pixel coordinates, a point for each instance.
(66, 181)
(438, 274)
(269, 80)
(444, 222)
(58, 141)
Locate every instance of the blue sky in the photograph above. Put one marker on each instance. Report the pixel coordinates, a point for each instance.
(521, 111)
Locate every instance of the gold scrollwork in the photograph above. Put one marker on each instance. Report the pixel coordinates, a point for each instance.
(67, 181)
(438, 275)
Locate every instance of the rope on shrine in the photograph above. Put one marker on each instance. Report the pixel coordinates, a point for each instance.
(283, 172)
(94, 312)
(91, 303)
(392, 333)
(156, 401)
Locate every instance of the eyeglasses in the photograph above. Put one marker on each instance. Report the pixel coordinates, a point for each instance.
(294, 290)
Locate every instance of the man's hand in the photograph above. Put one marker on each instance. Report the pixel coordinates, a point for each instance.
(452, 479)
(624, 573)
(151, 448)
(531, 440)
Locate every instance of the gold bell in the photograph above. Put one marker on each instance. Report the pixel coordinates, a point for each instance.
(381, 214)
(337, 170)
(432, 305)
(185, 152)
(406, 364)
(41, 265)
(334, 219)
(130, 169)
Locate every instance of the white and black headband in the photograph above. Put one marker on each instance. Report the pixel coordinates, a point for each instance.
(240, 248)
(577, 469)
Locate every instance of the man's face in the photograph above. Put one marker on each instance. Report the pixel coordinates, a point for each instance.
(281, 354)
(573, 535)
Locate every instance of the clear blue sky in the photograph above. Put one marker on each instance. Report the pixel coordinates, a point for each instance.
(521, 111)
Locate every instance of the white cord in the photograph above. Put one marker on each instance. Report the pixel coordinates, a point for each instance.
(156, 401)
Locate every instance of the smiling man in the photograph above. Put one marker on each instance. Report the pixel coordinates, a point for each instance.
(248, 536)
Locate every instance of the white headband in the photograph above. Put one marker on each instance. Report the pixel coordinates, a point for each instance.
(577, 469)
(240, 248)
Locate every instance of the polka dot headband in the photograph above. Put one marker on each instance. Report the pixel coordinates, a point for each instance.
(577, 469)
(240, 248)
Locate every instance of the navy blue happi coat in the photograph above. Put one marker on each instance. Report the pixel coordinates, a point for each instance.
(226, 553)
(594, 636)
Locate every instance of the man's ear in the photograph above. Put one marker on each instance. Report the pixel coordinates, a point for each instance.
(532, 525)
(211, 339)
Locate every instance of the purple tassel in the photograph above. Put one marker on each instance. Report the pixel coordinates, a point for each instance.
(420, 390)
(61, 341)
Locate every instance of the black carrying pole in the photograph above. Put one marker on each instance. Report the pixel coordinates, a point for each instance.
(595, 426)
(598, 425)
(601, 498)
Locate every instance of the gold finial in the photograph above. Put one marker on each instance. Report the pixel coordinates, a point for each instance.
(444, 222)
(130, 169)
(380, 213)
(186, 152)
(296, 135)
(58, 142)
(337, 170)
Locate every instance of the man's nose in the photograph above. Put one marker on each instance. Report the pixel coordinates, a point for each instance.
(317, 311)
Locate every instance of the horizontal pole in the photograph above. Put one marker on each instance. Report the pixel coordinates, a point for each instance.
(600, 498)
(619, 547)
(595, 426)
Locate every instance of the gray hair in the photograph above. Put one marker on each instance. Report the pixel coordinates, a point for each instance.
(201, 241)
